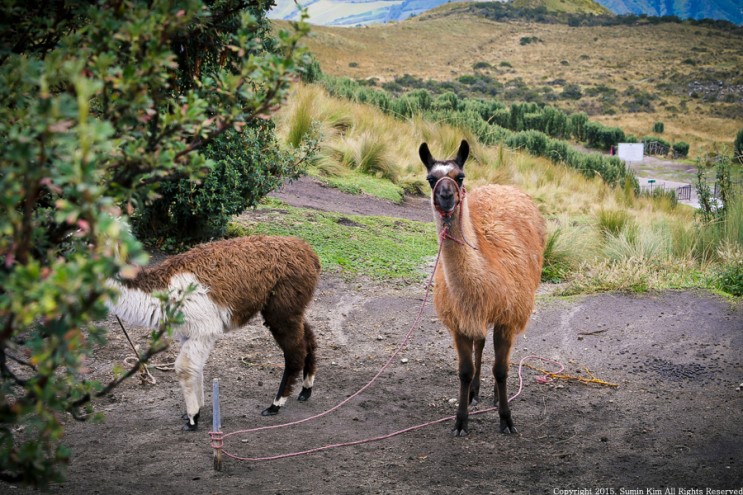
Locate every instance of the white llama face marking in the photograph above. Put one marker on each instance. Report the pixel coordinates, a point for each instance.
(280, 402)
(309, 381)
(441, 169)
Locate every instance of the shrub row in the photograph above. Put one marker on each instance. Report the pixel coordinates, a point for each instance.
(538, 129)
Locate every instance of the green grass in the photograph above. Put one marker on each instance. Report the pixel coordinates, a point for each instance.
(380, 248)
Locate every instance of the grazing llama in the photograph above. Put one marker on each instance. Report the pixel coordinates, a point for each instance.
(234, 279)
(490, 267)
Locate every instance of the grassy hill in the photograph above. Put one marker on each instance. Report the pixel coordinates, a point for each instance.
(686, 75)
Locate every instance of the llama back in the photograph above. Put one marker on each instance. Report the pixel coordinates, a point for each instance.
(510, 231)
(241, 273)
(510, 240)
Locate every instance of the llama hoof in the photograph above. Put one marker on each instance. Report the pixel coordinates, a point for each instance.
(460, 428)
(273, 410)
(188, 426)
(460, 433)
(304, 394)
(506, 426)
(474, 401)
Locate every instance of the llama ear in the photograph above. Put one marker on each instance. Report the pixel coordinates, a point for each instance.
(426, 156)
(463, 153)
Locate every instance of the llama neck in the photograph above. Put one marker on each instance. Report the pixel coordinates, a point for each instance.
(460, 246)
(135, 306)
(459, 227)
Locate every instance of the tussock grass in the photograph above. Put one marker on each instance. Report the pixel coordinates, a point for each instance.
(599, 237)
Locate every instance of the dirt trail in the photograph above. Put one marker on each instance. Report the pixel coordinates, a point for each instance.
(673, 421)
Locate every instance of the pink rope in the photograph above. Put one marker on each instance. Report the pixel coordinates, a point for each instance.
(217, 438)
(348, 399)
(389, 435)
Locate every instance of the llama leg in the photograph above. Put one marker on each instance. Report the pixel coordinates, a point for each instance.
(466, 372)
(189, 368)
(503, 340)
(289, 335)
(309, 363)
(475, 387)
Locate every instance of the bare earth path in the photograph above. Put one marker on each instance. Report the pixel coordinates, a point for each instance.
(674, 420)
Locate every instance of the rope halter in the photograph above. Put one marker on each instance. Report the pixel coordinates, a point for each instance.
(460, 196)
(447, 215)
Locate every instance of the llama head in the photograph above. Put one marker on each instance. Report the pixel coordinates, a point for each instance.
(446, 178)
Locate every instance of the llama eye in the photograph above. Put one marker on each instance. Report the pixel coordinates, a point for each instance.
(431, 181)
(460, 179)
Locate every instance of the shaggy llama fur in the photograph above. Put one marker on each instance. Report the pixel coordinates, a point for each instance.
(234, 279)
(490, 268)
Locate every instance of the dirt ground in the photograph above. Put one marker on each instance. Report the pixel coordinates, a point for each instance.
(675, 419)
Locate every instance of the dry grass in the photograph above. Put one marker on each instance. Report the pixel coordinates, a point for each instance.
(601, 238)
(444, 47)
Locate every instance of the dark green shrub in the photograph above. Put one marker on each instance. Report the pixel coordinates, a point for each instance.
(525, 40)
(681, 149)
(730, 278)
(578, 122)
(602, 137)
(658, 127)
(248, 165)
(310, 70)
(572, 92)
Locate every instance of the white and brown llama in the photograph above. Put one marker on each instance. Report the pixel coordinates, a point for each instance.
(490, 267)
(235, 279)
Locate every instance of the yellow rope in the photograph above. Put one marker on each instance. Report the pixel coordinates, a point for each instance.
(565, 376)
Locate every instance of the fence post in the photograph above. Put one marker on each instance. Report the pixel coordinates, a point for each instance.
(216, 434)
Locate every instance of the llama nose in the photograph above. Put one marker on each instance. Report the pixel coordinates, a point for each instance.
(446, 200)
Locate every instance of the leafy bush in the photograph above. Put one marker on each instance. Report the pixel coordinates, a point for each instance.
(681, 149)
(730, 278)
(659, 127)
(602, 137)
(525, 40)
(248, 165)
(100, 106)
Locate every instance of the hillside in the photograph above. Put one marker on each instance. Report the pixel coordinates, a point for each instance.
(687, 76)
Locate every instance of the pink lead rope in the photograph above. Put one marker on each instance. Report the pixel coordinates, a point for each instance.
(217, 437)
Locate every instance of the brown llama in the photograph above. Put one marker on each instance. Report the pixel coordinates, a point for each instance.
(234, 280)
(490, 267)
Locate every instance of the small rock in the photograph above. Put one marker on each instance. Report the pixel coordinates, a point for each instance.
(404, 360)
(452, 401)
